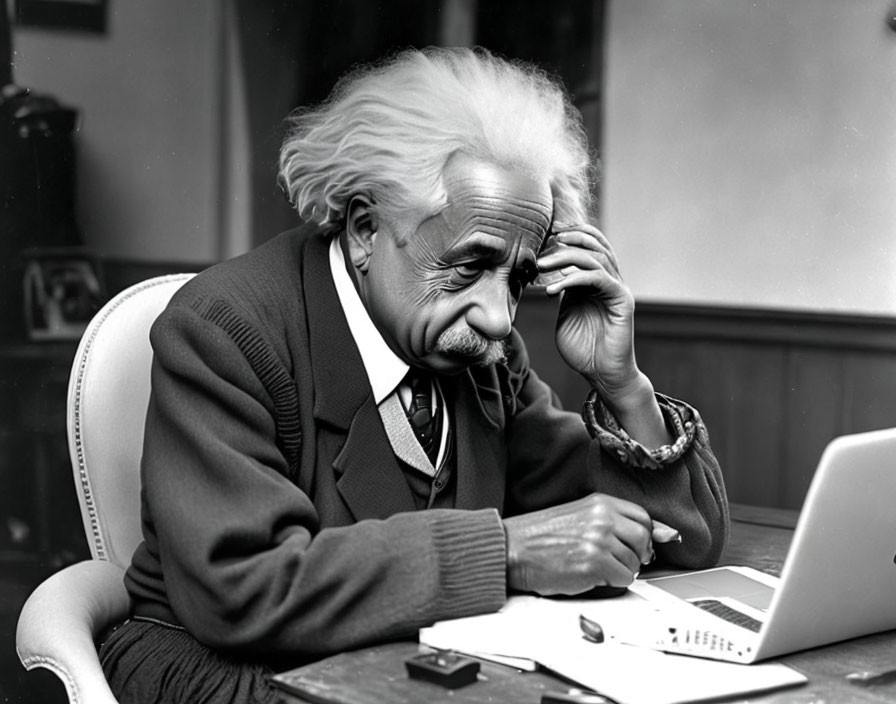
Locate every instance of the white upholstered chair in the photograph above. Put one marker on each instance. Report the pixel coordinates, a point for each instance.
(107, 398)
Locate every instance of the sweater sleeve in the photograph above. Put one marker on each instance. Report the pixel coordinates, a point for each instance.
(554, 459)
(246, 565)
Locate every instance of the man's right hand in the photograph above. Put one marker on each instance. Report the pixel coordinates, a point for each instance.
(595, 541)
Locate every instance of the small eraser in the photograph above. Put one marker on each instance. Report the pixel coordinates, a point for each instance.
(448, 670)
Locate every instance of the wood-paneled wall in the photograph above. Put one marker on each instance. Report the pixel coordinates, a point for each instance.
(772, 386)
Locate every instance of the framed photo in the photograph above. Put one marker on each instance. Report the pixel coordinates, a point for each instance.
(84, 15)
(62, 292)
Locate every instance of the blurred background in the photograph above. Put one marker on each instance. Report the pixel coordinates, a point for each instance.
(748, 183)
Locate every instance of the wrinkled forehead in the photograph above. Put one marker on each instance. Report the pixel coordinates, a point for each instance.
(485, 199)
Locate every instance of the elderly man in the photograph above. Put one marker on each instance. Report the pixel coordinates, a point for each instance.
(345, 440)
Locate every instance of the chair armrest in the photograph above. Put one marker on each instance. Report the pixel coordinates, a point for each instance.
(61, 619)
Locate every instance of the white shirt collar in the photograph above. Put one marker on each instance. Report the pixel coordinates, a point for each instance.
(384, 368)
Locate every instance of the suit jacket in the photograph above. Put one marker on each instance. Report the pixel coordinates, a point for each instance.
(277, 519)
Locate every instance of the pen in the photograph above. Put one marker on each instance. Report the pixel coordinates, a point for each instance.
(662, 533)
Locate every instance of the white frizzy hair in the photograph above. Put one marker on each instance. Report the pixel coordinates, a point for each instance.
(387, 130)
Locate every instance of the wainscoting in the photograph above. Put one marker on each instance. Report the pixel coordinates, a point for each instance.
(773, 386)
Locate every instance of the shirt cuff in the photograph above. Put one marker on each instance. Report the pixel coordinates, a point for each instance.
(681, 419)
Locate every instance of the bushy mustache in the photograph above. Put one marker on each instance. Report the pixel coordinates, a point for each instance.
(468, 343)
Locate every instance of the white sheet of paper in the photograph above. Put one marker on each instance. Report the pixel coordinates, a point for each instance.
(547, 631)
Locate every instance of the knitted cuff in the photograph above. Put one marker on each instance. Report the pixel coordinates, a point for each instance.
(472, 554)
(681, 419)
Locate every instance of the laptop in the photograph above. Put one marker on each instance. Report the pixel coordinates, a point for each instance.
(838, 580)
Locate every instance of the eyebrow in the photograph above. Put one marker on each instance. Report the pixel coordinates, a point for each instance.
(480, 246)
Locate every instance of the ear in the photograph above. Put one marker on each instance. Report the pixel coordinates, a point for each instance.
(360, 231)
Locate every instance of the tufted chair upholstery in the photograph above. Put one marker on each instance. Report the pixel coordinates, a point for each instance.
(107, 398)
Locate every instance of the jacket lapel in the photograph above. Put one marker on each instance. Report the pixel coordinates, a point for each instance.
(371, 482)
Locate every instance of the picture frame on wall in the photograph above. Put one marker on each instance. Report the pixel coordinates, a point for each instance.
(79, 15)
(62, 292)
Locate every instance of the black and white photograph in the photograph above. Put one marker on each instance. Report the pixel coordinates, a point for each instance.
(460, 351)
(62, 291)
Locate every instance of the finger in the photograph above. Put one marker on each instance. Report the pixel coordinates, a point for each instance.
(582, 227)
(623, 568)
(581, 257)
(577, 238)
(632, 526)
(585, 236)
(612, 571)
(662, 533)
(556, 269)
(600, 280)
(636, 537)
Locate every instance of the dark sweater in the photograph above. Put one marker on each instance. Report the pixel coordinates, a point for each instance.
(278, 521)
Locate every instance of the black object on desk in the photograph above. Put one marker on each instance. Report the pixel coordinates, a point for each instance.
(445, 669)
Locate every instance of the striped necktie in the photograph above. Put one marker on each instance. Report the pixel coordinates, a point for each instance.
(425, 420)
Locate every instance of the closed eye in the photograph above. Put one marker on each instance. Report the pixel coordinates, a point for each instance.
(462, 274)
(468, 270)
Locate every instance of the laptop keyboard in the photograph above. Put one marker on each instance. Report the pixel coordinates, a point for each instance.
(725, 612)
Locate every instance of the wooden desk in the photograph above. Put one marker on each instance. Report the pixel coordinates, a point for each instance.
(759, 538)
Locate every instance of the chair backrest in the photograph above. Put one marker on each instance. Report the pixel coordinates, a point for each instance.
(108, 394)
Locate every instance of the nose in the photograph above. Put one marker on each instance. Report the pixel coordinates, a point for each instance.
(492, 311)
